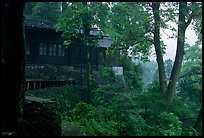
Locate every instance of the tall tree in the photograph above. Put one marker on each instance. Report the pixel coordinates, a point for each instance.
(12, 66)
(187, 11)
(129, 26)
(43, 10)
(183, 22)
(86, 21)
(162, 75)
(82, 17)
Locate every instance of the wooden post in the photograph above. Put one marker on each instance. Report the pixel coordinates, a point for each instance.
(28, 85)
(40, 84)
(34, 85)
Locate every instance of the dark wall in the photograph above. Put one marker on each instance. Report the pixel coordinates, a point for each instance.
(74, 54)
(49, 38)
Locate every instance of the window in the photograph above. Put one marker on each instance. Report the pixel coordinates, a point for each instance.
(45, 49)
(50, 50)
(61, 50)
(41, 49)
(27, 49)
(54, 50)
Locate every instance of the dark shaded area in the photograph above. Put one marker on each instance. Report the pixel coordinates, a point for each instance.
(12, 66)
(41, 117)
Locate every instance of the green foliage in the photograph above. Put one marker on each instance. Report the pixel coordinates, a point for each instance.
(191, 94)
(166, 124)
(85, 116)
(150, 104)
(65, 97)
(149, 69)
(129, 123)
(77, 14)
(193, 54)
(129, 26)
(153, 86)
(104, 94)
(107, 74)
(82, 110)
(114, 111)
(168, 65)
(43, 10)
(159, 122)
(96, 128)
(192, 75)
(189, 131)
(179, 108)
(196, 8)
(132, 73)
(134, 80)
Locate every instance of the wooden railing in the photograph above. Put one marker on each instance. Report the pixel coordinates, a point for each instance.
(32, 84)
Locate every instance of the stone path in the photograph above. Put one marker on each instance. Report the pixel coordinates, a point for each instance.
(68, 130)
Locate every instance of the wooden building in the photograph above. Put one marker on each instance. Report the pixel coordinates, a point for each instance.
(45, 46)
(48, 62)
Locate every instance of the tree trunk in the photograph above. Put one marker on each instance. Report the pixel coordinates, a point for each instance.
(179, 53)
(161, 69)
(64, 6)
(198, 123)
(12, 66)
(86, 28)
(182, 25)
(89, 73)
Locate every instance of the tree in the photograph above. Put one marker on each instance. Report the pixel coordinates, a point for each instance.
(168, 64)
(186, 13)
(129, 26)
(182, 25)
(43, 10)
(198, 123)
(162, 75)
(191, 74)
(12, 66)
(83, 16)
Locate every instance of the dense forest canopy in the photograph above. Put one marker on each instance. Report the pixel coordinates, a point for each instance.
(151, 98)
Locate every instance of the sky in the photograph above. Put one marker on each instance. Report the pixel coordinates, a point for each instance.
(191, 38)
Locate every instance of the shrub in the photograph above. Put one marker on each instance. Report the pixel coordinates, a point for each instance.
(86, 117)
(104, 94)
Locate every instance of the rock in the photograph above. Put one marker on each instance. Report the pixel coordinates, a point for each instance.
(41, 117)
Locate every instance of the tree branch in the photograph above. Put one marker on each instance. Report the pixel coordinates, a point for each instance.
(187, 118)
(190, 19)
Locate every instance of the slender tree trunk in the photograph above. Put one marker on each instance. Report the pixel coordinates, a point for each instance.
(161, 69)
(168, 91)
(12, 66)
(198, 123)
(182, 25)
(64, 6)
(86, 28)
(89, 73)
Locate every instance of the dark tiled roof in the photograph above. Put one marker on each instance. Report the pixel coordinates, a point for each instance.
(38, 24)
(105, 42)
